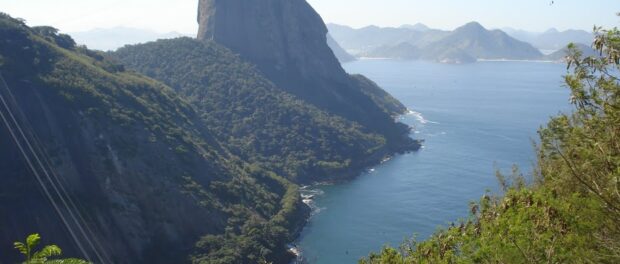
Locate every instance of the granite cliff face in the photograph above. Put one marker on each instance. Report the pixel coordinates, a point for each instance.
(287, 41)
(280, 36)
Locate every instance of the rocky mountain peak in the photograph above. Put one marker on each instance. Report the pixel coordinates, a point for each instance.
(280, 36)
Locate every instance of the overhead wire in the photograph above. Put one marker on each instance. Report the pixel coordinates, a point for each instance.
(54, 180)
(47, 162)
(41, 183)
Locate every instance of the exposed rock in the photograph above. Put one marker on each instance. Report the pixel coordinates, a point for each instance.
(285, 35)
(287, 40)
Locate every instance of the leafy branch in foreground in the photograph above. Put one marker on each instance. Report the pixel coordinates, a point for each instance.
(28, 249)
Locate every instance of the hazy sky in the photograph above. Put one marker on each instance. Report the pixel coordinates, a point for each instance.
(180, 15)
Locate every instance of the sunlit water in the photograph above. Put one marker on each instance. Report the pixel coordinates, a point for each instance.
(475, 118)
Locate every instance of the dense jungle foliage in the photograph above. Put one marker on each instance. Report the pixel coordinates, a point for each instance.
(258, 121)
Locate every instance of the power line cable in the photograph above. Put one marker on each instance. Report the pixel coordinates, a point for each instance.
(57, 184)
(57, 188)
(41, 183)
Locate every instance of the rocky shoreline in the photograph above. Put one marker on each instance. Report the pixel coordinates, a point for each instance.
(308, 194)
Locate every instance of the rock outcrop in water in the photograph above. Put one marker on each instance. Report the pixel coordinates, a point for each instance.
(287, 40)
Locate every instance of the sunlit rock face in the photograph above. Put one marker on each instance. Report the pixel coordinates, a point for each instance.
(280, 36)
(287, 41)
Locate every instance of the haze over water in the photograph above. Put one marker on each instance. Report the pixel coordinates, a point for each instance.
(475, 118)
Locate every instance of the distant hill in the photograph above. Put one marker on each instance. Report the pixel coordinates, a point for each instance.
(342, 55)
(551, 39)
(419, 41)
(359, 41)
(107, 39)
(560, 55)
(463, 45)
(480, 43)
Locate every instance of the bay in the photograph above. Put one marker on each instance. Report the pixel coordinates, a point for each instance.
(474, 118)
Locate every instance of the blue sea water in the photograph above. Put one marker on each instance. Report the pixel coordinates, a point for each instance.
(475, 118)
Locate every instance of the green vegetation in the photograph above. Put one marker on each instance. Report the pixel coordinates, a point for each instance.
(250, 237)
(571, 211)
(258, 121)
(145, 155)
(27, 249)
(384, 100)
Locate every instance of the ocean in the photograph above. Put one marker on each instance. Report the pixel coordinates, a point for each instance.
(475, 119)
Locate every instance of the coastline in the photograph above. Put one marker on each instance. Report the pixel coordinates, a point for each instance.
(381, 156)
(509, 60)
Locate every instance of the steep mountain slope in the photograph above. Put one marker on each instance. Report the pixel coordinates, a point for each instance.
(258, 121)
(286, 40)
(342, 55)
(146, 177)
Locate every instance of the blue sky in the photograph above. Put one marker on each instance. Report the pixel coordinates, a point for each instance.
(180, 15)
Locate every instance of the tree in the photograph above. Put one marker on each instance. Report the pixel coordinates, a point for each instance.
(50, 33)
(31, 256)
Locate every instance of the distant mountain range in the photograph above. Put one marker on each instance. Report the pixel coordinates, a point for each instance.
(551, 39)
(465, 44)
(107, 39)
(409, 42)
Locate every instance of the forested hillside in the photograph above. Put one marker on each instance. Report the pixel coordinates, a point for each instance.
(258, 121)
(133, 168)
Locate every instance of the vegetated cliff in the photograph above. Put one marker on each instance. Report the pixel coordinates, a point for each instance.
(286, 40)
(148, 179)
(258, 121)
